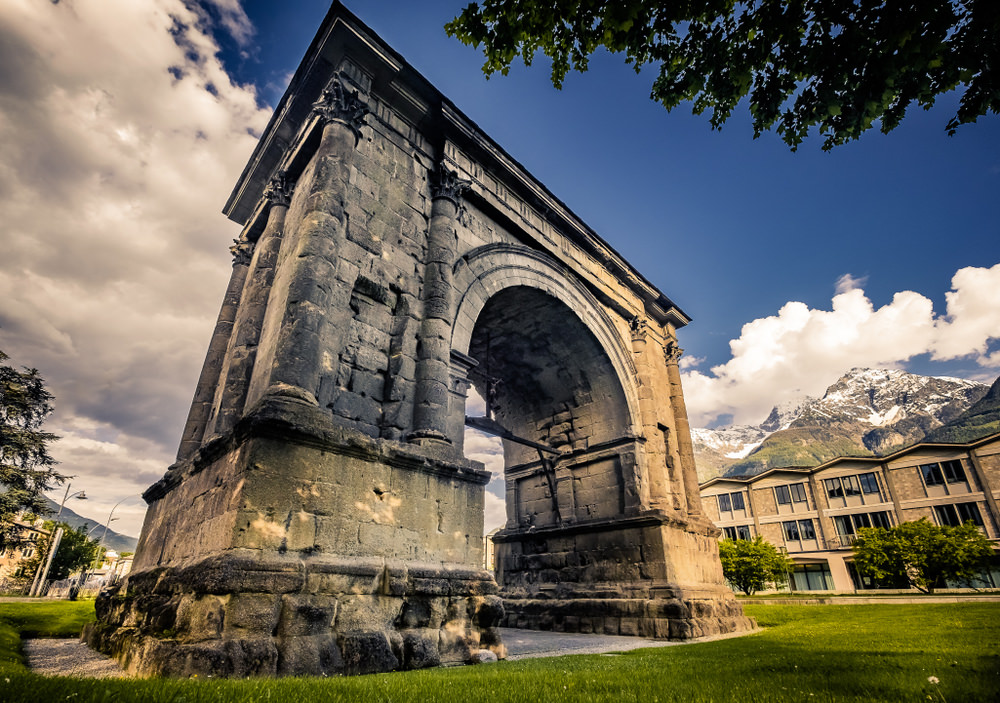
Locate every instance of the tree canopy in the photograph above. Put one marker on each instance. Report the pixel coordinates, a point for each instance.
(837, 65)
(753, 565)
(921, 554)
(26, 468)
(76, 550)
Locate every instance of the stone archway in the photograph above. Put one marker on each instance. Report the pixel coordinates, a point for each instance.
(322, 517)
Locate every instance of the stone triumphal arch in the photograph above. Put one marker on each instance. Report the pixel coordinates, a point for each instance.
(322, 516)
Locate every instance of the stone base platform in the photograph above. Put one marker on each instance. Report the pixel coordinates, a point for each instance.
(647, 575)
(238, 615)
(661, 618)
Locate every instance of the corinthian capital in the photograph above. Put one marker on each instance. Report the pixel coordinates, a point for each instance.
(672, 352)
(639, 328)
(446, 184)
(340, 104)
(242, 252)
(278, 191)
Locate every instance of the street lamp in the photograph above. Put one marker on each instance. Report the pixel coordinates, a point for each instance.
(111, 517)
(105, 533)
(79, 495)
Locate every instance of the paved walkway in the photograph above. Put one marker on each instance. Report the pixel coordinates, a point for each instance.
(529, 644)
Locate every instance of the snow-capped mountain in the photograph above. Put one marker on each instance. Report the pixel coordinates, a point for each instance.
(866, 411)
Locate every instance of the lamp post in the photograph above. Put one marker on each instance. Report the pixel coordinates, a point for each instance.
(105, 533)
(43, 568)
(79, 495)
(111, 517)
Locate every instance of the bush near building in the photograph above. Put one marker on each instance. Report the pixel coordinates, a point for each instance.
(753, 565)
(922, 555)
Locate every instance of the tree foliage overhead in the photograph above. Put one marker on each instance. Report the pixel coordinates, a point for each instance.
(26, 468)
(921, 554)
(838, 65)
(753, 565)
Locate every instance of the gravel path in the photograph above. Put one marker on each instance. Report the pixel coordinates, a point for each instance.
(52, 657)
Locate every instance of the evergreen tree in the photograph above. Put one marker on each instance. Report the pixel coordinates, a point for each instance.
(26, 468)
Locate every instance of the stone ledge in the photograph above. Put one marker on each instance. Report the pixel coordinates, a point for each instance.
(296, 422)
(246, 571)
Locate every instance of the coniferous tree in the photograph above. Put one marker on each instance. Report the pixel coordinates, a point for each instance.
(26, 467)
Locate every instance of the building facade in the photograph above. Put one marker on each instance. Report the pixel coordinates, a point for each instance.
(13, 558)
(814, 513)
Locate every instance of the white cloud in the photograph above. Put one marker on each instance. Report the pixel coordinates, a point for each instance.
(847, 282)
(122, 135)
(801, 350)
(690, 362)
(495, 513)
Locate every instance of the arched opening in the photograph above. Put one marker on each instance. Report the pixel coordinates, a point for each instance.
(547, 381)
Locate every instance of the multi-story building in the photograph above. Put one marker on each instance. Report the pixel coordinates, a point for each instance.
(814, 513)
(13, 558)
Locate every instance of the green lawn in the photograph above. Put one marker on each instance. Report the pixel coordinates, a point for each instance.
(817, 653)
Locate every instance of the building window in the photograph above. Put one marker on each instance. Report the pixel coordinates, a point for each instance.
(798, 491)
(953, 471)
(848, 525)
(738, 532)
(833, 487)
(728, 502)
(812, 577)
(28, 553)
(725, 505)
(782, 495)
(956, 514)
(851, 486)
(796, 530)
(932, 474)
(869, 484)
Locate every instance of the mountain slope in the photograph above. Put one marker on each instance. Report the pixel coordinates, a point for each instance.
(982, 419)
(865, 412)
(113, 540)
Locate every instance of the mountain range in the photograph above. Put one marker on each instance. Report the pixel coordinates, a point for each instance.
(864, 413)
(111, 540)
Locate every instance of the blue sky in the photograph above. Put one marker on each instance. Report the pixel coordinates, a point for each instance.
(117, 157)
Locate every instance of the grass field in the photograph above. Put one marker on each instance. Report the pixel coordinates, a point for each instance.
(934, 652)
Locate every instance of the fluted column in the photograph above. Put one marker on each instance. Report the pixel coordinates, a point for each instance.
(204, 393)
(683, 429)
(430, 412)
(298, 360)
(231, 394)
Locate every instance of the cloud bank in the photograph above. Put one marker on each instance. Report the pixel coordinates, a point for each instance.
(121, 135)
(801, 351)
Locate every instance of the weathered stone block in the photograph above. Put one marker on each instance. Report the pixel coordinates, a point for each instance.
(367, 653)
